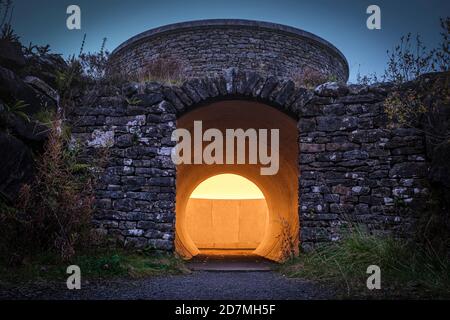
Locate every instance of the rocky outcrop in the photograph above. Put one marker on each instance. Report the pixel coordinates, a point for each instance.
(46, 67)
(23, 94)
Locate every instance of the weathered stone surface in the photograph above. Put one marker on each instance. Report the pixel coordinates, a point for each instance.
(148, 99)
(311, 147)
(408, 170)
(42, 87)
(351, 164)
(331, 89)
(336, 123)
(13, 88)
(46, 67)
(210, 48)
(269, 86)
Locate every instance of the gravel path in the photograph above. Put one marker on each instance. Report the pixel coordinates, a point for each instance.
(197, 285)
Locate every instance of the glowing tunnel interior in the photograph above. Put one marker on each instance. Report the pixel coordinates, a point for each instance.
(226, 212)
(232, 207)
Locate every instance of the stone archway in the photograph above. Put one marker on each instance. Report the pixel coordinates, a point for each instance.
(346, 157)
(280, 190)
(352, 164)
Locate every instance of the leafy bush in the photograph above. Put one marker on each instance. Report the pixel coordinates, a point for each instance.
(404, 108)
(94, 65)
(422, 105)
(411, 58)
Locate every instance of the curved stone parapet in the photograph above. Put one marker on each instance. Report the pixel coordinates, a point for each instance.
(207, 47)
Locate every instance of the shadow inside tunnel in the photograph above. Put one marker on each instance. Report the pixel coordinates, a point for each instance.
(230, 260)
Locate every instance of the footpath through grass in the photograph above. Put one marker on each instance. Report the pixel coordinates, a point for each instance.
(407, 270)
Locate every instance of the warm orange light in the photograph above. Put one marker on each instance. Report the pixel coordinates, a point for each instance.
(226, 211)
(227, 186)
(255, 225)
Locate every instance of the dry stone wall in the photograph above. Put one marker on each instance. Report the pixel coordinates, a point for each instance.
(206, 48)
(353, 168)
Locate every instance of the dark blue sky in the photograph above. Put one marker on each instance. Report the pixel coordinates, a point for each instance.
(343, 22)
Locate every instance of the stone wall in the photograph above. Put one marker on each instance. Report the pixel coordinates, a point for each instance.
(206, 48)
(352, 167)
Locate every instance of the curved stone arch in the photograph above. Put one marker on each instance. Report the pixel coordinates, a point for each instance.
(235, 84)
(280, 95)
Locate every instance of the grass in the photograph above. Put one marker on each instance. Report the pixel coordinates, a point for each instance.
(407, 270)
(97, 264)
(164, 69)
(45, 116)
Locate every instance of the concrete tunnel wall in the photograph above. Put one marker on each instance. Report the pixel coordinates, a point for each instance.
(230, 224)
(280, 190)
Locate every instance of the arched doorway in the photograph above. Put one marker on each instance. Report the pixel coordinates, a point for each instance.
(280, 190)
(226, 214)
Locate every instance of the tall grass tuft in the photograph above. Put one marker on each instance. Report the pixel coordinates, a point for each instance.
(163, 69)
(407, 270)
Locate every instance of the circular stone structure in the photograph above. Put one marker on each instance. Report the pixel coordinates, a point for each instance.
(208, 47)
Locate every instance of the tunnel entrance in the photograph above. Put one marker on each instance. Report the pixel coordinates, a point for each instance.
(256, 213)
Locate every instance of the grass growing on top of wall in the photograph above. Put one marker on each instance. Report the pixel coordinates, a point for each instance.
(407, 270)
(163, 69)
(94, 264)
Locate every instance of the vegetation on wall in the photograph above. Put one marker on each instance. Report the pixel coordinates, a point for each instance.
(163, 69)
(310, 78)
(53, 212)
(424, 106)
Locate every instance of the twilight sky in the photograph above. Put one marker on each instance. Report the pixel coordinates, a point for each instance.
(342, 22)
